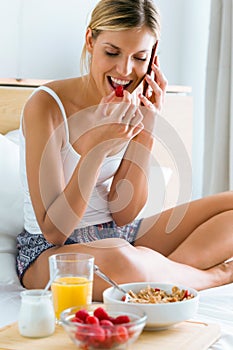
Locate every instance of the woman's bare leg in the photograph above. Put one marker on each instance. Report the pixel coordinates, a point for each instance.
(125, 263)
(203, 237)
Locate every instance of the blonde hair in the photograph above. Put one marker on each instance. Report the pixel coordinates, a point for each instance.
(117, 15)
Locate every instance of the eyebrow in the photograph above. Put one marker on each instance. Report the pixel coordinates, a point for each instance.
(118, 48)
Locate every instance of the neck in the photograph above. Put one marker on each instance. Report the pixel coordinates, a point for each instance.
(90, 92)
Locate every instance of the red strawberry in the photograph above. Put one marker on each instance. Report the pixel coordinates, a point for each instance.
(106, 323)
(122, 319)
(97, 336)
(186, 294)
(92, 320)
(119, 91)
(76, 319)
(112, 319)
(121, 334)
(81, 333)
(82, 314)
(109, 339)
(101, 314)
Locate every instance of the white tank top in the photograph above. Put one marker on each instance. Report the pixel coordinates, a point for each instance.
(97, 211)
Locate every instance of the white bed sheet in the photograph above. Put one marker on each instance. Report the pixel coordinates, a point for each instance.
(216, 306)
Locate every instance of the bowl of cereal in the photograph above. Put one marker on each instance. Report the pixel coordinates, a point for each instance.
(164, 304)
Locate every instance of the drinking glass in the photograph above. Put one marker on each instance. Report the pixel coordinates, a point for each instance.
(72, 275)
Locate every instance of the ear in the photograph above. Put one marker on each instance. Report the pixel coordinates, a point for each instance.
(89, 40)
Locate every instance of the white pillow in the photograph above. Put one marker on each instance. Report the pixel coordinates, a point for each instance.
(11, 208)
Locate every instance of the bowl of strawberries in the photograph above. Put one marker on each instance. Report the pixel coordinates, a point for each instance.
(103, 326)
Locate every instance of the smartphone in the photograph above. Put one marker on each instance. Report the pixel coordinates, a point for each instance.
(152, 58)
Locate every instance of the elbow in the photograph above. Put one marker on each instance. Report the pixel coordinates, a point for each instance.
(125, 208)
(53, 234)
(55, 229)
(54, 237)
(124, 218)
(128, 214)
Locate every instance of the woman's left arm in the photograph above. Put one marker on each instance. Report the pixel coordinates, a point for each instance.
(129, 190)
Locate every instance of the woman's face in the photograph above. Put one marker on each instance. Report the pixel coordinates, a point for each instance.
(119, 58)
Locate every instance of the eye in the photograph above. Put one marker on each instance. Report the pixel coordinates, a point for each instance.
(111, 53)
(143, 59)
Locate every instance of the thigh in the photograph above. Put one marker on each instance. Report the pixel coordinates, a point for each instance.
(112, 255)
(34, 248)
(164, 232)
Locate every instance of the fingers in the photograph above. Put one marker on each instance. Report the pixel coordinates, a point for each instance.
(137, 118)
(157, 87)
(126, 112)
(129, 114)
(135, 126)
(147, 103)
(103, 106)
(159, 76)
(123, 110)
(160, 85)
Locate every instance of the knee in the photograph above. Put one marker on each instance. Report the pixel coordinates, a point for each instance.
(122, 263)
(129, 266)
(226, 198)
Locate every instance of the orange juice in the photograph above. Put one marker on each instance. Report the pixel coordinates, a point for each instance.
(70, 291)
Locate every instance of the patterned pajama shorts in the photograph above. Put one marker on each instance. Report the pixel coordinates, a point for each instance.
(30, 246)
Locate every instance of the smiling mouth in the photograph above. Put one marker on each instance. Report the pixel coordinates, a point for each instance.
(114, 82)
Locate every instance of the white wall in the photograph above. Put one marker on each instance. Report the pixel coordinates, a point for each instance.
(43, 39)
(183, 54)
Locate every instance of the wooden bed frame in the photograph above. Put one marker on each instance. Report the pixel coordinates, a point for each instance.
(13, 94)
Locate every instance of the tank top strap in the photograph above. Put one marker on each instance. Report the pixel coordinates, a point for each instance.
(62, 109)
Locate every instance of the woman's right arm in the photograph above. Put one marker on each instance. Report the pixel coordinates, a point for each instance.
(58, 207)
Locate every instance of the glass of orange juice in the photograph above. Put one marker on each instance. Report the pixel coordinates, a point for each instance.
(72, 276)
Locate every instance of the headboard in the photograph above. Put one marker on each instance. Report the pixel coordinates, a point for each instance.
(13, 95)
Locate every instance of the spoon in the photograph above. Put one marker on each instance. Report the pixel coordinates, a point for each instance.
(99, 273)
(48, 285)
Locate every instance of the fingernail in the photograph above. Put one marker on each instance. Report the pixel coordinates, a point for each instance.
(140, 95)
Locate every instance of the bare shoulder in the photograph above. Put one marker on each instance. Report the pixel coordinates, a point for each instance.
(42, 111)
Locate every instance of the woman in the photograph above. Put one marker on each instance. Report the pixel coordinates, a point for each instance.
(85, 157)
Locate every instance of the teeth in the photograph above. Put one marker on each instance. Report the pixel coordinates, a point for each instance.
(120, 82)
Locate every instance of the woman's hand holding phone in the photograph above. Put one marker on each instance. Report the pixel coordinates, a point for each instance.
(156, 83)
(149, 70)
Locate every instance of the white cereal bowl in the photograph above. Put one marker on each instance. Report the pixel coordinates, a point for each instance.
(159, 316)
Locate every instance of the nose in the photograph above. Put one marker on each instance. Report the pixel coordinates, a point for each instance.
(125, 66)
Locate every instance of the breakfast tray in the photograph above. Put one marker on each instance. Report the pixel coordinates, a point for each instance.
(186, 335)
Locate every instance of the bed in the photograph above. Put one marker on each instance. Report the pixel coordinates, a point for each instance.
(216, 305)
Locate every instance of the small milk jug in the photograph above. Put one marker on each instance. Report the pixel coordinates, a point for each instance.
(36, 315)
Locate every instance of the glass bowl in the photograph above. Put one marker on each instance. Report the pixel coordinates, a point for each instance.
(103, 326)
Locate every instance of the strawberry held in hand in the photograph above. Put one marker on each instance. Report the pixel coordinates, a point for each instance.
(119, 91)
